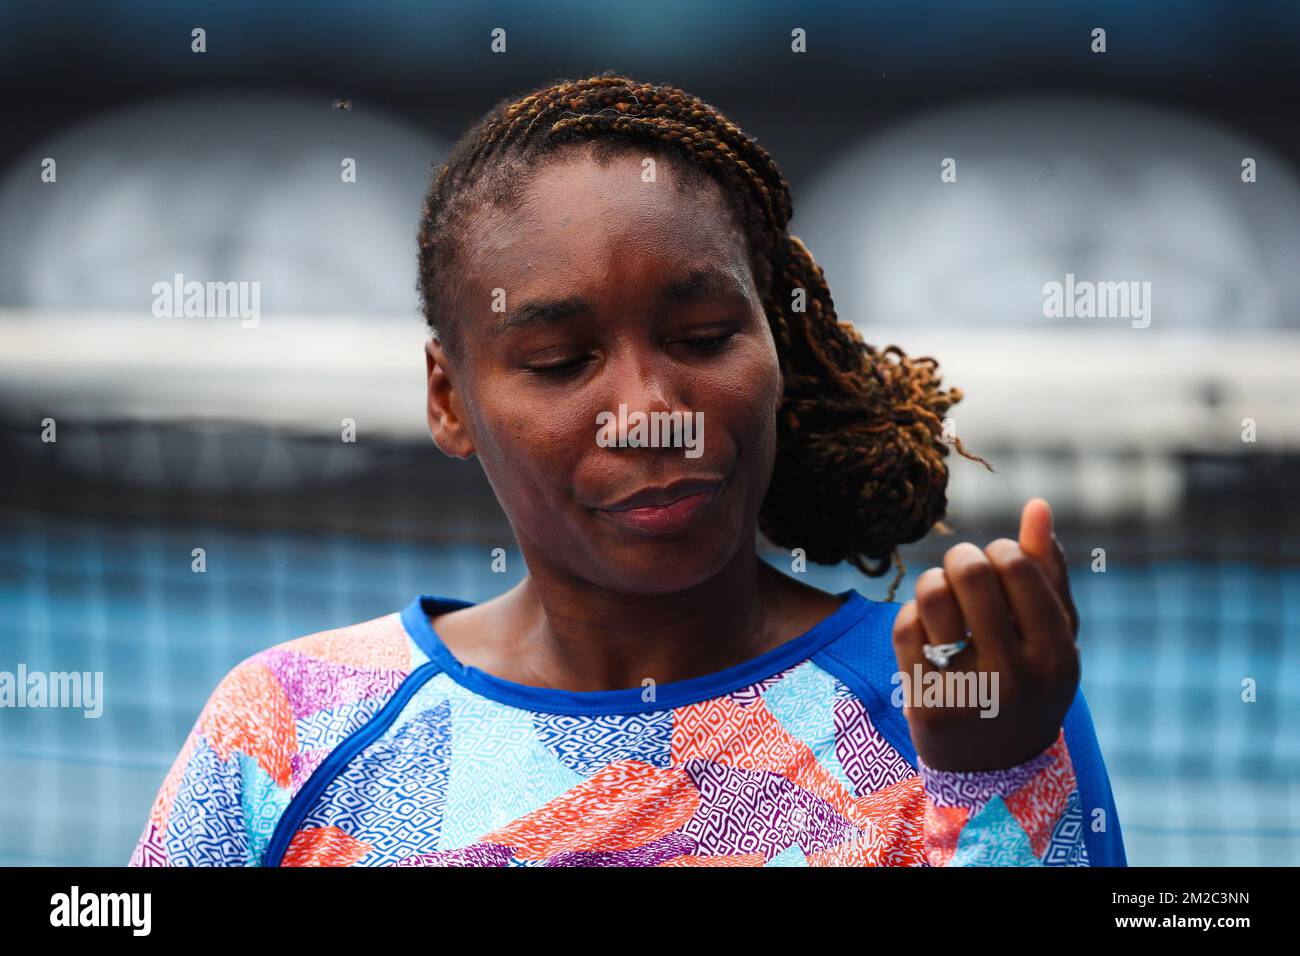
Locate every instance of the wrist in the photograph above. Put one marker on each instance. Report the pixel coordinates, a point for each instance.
(972, 789)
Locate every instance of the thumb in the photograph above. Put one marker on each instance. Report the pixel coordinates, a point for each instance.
(1038, 540)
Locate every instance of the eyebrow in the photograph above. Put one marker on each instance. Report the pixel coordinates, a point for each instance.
(698, 284)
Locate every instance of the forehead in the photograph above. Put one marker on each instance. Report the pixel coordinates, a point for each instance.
(578, 221)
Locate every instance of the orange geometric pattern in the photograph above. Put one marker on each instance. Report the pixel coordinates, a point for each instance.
(251, 688)
(942, 830)
(324, 846)
(738, 859)
(625, 805)
(1039, 804)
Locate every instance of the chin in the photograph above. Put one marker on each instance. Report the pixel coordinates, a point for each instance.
(665, 565)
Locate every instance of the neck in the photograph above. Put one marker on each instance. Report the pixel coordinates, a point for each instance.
(572, 635)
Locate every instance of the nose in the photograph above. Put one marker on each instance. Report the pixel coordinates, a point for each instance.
(646, 390)
(645, 383)
(649, 385)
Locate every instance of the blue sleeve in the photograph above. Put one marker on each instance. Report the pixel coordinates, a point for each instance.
(864, 659)
(1102, 834)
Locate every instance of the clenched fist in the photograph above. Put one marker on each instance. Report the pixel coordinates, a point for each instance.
(1013, 598)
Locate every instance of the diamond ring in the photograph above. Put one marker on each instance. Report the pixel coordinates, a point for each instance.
(940, 654)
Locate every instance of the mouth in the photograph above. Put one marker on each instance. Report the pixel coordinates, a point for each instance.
(662, 511)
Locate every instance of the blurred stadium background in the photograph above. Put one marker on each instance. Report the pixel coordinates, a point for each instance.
(177, 433)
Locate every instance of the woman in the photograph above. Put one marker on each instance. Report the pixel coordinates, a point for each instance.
(595, 256)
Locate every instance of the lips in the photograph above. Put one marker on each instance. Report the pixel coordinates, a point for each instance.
(658, 497)
(668, 510)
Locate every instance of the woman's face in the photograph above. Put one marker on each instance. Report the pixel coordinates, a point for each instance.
(600, 290)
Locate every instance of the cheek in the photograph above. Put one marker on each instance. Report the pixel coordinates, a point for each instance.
(746, 394)
(529, 447)
(762, 394)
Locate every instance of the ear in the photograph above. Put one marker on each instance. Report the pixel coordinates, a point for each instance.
(446, 410)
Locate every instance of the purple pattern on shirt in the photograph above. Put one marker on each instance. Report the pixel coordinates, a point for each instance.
(747, 695)
(667, 847)
(868, 760)
(974, 788)
(313, 685)
(303, 764)
(749, 811)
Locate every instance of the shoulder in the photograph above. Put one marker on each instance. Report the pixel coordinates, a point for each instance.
(279, 705)
(381, 643)
(864, 645)
(265, 728)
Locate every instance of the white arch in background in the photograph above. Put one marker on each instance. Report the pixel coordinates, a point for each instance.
(1106, 190)
(218, 188)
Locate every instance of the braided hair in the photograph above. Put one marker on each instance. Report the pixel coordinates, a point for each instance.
(860, 461)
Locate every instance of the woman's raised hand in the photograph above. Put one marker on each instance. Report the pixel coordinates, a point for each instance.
(1013, 600)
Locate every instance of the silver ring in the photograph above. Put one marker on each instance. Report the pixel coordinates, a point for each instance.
(940, 654)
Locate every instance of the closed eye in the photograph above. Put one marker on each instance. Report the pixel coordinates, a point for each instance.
(561, 370)
(708, 343)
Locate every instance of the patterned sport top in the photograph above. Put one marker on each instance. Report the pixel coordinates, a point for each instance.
(371, 745)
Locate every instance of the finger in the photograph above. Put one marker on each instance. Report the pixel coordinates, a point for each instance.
(909, 638)
(1043, 623)
(941, 619)
(1038, 540)
(939, 610)
(984, 608)
(909, 634)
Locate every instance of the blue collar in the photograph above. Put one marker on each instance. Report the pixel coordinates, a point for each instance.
(415, 619)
